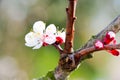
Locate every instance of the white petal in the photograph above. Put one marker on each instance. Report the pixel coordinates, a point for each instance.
(51, 29)
(62, 35)
(50, 39)
(29, 45)
(39, 26)
(29, 37)
(112, 34)
(32, 39)
(38, 45)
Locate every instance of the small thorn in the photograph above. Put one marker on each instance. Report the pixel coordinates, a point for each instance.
(74, 18)
(67, 9)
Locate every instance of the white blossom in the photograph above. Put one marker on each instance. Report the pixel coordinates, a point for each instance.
(40, 35)
(98, 44)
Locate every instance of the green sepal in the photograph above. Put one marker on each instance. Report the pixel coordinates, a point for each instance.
(49, 76)
(93, 36)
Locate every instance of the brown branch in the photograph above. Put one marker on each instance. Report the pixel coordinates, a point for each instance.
(62, 71)
(93, 49)
(70, 26)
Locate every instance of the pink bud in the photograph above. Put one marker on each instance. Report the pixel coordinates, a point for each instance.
(114, 52)
(98, 44)
(110, 36)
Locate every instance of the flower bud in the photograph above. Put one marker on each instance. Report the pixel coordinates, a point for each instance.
(98, 44)
(114, 52)
(110, 36)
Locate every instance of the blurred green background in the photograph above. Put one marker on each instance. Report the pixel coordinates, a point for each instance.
(18, 62)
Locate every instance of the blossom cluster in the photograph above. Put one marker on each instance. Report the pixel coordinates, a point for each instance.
(41, 36)
(108, 39)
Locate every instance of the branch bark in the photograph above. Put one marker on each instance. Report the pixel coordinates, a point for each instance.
(63, 70)
(93, 49)
(70, 26)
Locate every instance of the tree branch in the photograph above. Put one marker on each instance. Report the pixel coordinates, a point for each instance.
(93, 49)
(70, 26)
(63, 70)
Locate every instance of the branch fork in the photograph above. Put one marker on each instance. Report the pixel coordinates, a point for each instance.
(70, 59)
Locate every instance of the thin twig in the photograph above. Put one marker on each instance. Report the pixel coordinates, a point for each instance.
(58, 47)
(93, 49)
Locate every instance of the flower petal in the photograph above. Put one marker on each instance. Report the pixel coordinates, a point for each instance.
(61, 35)
(29, 45)
(32, 39)
(39, 27)
(38, 45)
(111, 34)
(51, 29)
(29, 38)
(50, 39)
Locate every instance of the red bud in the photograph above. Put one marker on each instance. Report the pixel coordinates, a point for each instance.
(114, 52)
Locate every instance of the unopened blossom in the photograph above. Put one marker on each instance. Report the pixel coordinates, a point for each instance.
(109, 37)
(114, 52)
(98, 44)
(41, 36)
